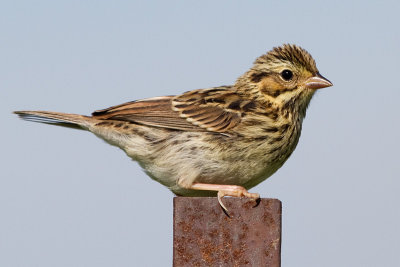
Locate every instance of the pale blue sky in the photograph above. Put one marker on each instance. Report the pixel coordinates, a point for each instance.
(69, 199)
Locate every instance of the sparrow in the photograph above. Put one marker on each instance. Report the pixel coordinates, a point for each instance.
(216, 141)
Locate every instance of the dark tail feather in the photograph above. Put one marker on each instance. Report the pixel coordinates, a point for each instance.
(56, 118)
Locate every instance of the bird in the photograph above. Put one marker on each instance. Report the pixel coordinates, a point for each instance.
(218, 141)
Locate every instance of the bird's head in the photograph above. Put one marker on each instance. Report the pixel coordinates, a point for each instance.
(286, 73)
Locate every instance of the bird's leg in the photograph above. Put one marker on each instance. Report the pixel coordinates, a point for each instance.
(225, 190)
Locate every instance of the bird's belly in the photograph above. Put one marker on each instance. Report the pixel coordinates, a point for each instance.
(247, 172)
(222, 162)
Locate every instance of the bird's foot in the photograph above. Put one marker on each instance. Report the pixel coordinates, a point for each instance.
(226, 190)
(235, 191)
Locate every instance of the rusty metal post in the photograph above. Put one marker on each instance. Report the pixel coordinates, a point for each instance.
(205, 236)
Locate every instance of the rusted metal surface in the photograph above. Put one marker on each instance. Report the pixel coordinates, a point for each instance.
(205, 236)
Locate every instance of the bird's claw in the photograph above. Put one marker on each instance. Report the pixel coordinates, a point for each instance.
(237, 191)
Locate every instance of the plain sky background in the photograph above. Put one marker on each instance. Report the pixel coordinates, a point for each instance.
(69, 199)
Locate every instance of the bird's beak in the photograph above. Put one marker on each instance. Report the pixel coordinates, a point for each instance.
(317, 82)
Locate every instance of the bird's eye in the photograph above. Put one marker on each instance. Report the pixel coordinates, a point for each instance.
(287, 75)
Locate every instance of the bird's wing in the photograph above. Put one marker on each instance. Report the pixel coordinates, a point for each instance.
(208, 108)
(198, 110)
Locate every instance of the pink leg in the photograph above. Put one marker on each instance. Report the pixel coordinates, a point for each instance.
(225, 190)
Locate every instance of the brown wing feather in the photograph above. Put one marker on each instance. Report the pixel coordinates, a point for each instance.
(198, 110)
(155, 112)
(206, 108)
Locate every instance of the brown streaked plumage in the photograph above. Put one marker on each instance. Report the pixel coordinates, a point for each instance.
(224, 139)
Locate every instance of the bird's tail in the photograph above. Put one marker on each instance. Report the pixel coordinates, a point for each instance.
(57, 118)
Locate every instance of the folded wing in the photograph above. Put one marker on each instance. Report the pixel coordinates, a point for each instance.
(198, 110)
